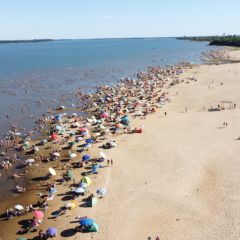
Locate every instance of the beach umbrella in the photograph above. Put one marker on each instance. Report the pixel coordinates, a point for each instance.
(87, 180)
(19, 207)
(101, 191)
(86, 157)
(104, 115)
(58, 127)
(56, 154)
(52, 231)
(83, 129)
(26, 145)
(72, 155)
(95, 167)
(52, 191)
(103, 155)
(89, 140)
(72, 204)
(58, 117)
(69, 174)
(38, 214)
(79, 139)
(52, 171)
(30, 161)
(74, 114)
(54, 136)
(119, 125)
(94, 228)
(76, 124)
(86, 222)
(35, 148)
(83, 185)
(79, 190)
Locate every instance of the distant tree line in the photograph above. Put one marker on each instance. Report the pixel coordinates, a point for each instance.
(26, 41)
(229, 40)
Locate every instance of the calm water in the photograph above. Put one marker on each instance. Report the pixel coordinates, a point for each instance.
(45, 71)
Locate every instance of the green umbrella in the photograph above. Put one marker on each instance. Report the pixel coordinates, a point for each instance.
(93, 228)
(69, 174)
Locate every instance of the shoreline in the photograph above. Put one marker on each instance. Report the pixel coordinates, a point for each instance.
(136, 124)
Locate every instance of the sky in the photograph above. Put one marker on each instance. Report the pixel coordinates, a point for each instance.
(75, 19)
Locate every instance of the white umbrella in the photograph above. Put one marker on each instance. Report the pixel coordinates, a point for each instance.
(56, 154)
(72, 155)
(30, 161)
(79, 190)
(52, 171)
(103, 155)
(19, 207)
(68, 205)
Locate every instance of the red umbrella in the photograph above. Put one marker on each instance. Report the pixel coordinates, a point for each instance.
(83, 129)
(54, 136)
(38, 214)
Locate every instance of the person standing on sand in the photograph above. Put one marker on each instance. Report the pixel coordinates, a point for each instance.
(111, 162)
(157, 238)
(165, 114)
(108, 162)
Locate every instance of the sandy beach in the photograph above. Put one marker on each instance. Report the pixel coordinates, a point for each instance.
(179, 179)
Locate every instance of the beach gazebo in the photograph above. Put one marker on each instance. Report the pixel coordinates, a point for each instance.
(229, 104)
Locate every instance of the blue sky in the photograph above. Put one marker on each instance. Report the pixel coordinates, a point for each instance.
(27, 19)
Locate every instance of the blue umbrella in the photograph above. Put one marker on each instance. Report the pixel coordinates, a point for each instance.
(86, 222)
(86, 157)
(52, 231)
(58, 117)
(52, 191)
(89, 140)
(83, 185)
(95, 167)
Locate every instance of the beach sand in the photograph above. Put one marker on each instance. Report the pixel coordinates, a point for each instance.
(177, 180)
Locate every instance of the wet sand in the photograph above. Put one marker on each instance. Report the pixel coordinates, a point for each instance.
(178, 180)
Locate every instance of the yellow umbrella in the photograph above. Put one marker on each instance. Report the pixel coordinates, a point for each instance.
(87, 180)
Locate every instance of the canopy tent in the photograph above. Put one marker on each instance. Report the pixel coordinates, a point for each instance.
(86, 222)
(92, 201)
